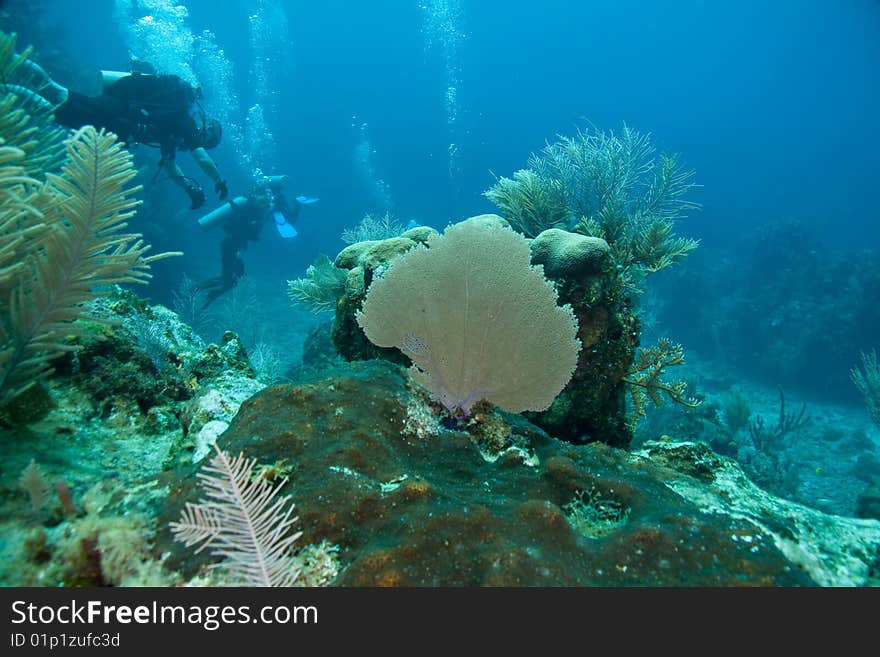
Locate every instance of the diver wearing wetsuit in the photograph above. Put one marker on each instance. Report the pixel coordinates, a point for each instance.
(242, 220)
(154, 110)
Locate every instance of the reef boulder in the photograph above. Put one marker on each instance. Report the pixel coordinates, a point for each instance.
(498, 502)
(592, 405)
(569, 255)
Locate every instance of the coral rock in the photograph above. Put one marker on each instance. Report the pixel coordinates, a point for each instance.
(420, 234)
(488, 220)
(431, 511)
(569, 255)
(373, 253)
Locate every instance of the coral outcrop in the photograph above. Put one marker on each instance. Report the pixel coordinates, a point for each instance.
(592, 406)
(569, 255)
(141, 394)
(415, 504)
(363, 261)
(387, 491)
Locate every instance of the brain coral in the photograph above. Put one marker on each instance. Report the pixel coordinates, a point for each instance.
(569, 255)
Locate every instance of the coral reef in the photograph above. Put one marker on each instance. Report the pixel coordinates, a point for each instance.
(117, 420)
(500, 458)
(779, 305)
(592, 406)
(623, 202)
(433, 510)
(387, 493)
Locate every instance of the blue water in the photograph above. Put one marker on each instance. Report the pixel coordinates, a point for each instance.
(773, 103)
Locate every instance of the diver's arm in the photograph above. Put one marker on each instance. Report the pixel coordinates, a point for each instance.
(172, 168)
(196, 195)
(173, 171)
(206, 164)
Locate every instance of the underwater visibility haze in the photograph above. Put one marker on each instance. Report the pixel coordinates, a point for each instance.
(439, 293)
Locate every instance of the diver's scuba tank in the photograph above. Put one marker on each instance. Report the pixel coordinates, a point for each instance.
(222, 213)
(109, 77)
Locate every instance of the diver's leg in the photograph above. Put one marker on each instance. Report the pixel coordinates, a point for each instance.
(33, 100)
(237, 268)
(213, 294)
(208, 284)
(231, 262)
(232, 269)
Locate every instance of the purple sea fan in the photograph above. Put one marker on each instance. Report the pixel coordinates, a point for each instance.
(476, 318)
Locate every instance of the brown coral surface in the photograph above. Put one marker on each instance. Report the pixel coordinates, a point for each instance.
(434, 511)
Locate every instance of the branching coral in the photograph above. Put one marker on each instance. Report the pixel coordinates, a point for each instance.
(244, 521)
(372, 227)
(644, 380)
(60, 235)
(74, 245)
(600, 169)
(20, 222)
(531, 203)
(321, 288)
(767, 439)
(613, 187)
(867, 380)
(25, 117)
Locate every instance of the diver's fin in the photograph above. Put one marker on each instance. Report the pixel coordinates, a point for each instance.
(285, 229)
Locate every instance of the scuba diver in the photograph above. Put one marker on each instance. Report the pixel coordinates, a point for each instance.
(142, 107)
(242, 220)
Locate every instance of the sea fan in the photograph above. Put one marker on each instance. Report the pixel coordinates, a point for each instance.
(242, 521)
(478, 321)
